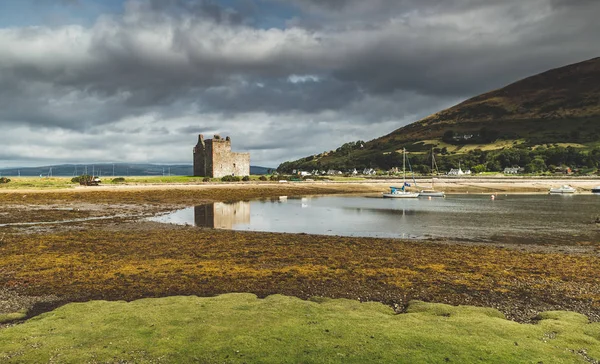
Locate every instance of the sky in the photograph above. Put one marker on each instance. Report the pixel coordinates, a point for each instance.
(90, 81)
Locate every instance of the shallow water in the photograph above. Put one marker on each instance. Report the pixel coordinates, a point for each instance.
(507, 219)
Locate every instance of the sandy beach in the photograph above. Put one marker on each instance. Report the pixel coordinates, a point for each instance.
(447, 184)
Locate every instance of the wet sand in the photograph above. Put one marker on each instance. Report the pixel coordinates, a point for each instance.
(121, 257)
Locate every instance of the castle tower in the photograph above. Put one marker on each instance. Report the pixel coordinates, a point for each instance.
(214, 158)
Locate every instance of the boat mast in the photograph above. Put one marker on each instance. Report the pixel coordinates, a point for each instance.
(432, 168)
(403, 166)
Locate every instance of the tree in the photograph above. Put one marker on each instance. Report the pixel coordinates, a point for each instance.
(480, 168)
(536, 166)
(448, 136)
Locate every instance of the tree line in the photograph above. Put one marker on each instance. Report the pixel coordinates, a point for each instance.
(536, 160)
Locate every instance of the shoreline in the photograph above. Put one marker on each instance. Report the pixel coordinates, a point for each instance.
(124, 258)
(446, 184)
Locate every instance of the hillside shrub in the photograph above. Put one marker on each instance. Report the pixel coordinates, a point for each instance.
(4, 180)
(230, 179)
(262, 178)
(246, 178)
(83, 177)
(118, 180)
(206, 179)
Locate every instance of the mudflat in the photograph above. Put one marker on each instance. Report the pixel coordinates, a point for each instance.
(100, 247)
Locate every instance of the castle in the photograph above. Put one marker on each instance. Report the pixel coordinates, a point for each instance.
(214, 158)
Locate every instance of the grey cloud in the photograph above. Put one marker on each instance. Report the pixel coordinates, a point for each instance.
(199, 8)
(200, 67)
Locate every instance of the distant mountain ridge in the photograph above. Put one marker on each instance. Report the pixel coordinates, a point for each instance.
(567, 93)
(110, 169)
(559, 107)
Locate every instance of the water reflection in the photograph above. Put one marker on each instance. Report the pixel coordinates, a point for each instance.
(510, 219)
(222, 215)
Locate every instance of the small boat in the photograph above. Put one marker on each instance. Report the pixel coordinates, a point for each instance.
(399, 192)
(563, 189)
(596, 190)
(431, 193)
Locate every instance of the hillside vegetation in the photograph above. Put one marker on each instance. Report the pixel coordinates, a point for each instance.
(549, 120)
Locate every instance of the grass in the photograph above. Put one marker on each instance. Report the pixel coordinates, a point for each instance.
(239, 328)
(161, 179)
(38, 183)
(65, 182)
(13, 316)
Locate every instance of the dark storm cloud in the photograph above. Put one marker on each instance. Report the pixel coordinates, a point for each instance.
(340, 71)
(196, 8)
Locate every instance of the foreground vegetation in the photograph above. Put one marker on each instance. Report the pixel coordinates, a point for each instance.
(44, 267)
(129, 261)
(238, 328)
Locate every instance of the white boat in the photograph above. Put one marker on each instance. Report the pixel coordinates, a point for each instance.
(432, 192)
(400, 192)
(596, 190)
(563, 189)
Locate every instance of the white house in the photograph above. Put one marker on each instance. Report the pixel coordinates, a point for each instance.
(368, 171)
(456, 172)
(514, 170)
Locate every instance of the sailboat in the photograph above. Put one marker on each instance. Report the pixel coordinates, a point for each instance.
(432, 192)
(400, 192)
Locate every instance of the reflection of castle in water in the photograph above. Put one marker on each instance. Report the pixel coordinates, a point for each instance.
(222, 215)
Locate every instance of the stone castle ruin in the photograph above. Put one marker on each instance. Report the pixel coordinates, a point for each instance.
(214, 158)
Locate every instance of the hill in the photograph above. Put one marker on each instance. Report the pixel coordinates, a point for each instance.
(559, 108)
(110, 169)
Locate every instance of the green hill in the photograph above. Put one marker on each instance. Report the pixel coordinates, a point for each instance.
(553, 113)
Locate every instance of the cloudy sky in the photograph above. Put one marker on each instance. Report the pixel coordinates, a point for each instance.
(86, 81)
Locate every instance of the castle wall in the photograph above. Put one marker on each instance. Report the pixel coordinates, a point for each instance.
(214, 158)
(200, 158)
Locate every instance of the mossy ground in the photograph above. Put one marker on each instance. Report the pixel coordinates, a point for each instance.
(124, 259)
(239, 328)
(136, 260)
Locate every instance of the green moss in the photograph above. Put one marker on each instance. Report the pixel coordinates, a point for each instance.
(238, 328)
(14, 316)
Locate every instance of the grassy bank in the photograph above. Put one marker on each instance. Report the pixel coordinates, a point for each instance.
(238, 328)
(178, 195)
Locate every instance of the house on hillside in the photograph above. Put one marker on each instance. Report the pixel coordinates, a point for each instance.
(456, 172)
(513, 170)
(368, 171)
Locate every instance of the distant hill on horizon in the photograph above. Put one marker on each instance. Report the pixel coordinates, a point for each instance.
(558, 108)
(110, 169)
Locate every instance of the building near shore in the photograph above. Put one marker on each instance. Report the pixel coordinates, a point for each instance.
(214, 158)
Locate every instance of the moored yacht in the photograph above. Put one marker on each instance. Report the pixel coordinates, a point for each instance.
(400, 192)
(431, 193)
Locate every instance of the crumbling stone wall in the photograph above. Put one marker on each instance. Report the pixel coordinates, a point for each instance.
(214, 158)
